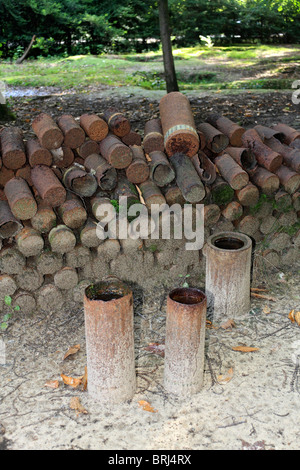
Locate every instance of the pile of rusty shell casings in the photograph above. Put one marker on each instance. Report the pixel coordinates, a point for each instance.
(108, 310)
(228, 273)
(185, 340)
(178, 125)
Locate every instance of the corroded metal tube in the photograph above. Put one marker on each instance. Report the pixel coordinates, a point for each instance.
(178, 124)
(108, 309)
(228, 269)
(185, 338)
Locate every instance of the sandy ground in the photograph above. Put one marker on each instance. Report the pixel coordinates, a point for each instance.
(249, 400)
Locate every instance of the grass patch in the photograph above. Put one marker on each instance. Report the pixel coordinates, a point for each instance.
(197, 67)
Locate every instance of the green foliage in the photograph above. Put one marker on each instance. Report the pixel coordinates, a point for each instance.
(7, 316)
(95, 27)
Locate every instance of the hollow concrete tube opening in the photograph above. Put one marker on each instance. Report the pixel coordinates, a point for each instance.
(185, 339)
(228, 275)
(108, 309)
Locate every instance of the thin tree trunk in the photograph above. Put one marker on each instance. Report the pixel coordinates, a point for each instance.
(170, 74)
(21, 59)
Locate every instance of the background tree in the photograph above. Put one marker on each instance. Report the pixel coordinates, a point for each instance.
(169, 67)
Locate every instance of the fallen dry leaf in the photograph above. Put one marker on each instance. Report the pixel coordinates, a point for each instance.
(266, 310)
(258, 289)
(52, 384)
(228, 324)
(224, 379)
(245, 349)
(72, 350)
(72, 381)
(292, 316)
(156, 348)
(76, 405)
(146, 406)
(84, 379)
(297, 318)
(265, 297)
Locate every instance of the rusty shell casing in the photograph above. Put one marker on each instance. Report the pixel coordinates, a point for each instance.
(106, 175)
(132, 138)
(204, 167)
(63, 157)
(95, 127)
(108, 312)
(289, 179)
(153, 136)
(161, 170)
(9, 225)
(45, 218)
(87, 148)
(268, 182)
(152, 194)
(243, 156)
(231, 171)
(187, 178)
(266, 133)
(138, 171)
(215, 140)
(248, 196)
(173, 194)
(74, 135)
(25, 173)
(117, 122)
(290, 134)
(20, 199)
(80, 182)
(72, 212)
(228, 272)
(177, 120)
(48, 185)
(5, 175)
(115, 152)
(265, 156)
(47, 131)
(185, 339)
(233, 131)
(36, 154)
(12, 148)
(291, 157)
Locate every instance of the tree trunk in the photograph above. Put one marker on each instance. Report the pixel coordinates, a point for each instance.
(170, 74)
(21, 59)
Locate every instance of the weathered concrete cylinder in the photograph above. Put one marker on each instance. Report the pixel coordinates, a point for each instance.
(185, 339)
(228, 272)
(108, 307)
